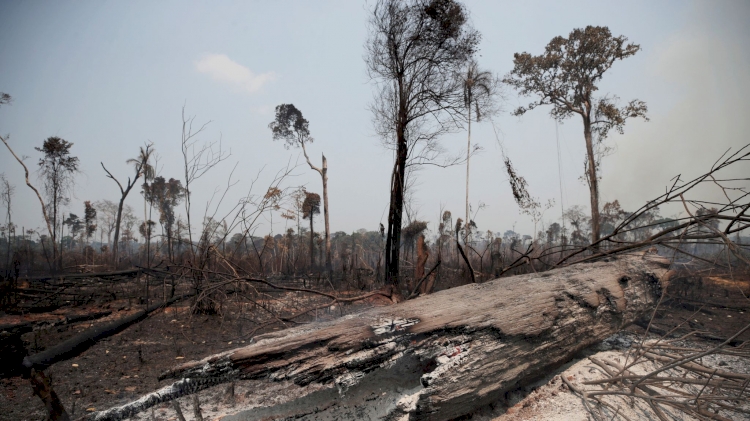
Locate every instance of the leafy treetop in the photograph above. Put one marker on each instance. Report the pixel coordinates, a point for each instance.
(566, 76)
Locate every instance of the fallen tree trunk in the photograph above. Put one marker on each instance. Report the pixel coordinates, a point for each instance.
(436, 357)
(81, 342)
(12, 350)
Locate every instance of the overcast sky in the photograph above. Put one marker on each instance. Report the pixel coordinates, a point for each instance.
(110, 76)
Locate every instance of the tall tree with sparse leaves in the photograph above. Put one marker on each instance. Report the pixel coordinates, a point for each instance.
(142, 167)
(57, 169)
(4, 100)
(415, 52)
(311, 207)
(89, 219)
(165, 195)
(565, 76)
(291, 127)
(480, 96)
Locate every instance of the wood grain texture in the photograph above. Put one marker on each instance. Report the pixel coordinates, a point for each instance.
(449, 352)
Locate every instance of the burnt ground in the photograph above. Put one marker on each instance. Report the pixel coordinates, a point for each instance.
(125, 366)
(710, 308)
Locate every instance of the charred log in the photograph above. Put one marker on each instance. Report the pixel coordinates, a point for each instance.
(81, 342)
(442, 355)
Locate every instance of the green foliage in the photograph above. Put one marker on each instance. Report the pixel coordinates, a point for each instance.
(165, 195)
(290, 126)
(57, 167)
(89, 217)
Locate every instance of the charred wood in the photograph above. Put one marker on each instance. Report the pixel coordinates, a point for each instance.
(79, 343)
(439, 356)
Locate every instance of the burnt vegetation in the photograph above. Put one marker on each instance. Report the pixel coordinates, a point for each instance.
(154, 287)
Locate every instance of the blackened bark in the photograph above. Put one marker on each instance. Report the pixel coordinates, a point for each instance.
(393, 242)
(115, 246)
(81, 342)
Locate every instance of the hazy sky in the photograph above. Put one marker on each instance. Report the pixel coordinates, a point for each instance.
(109, 76)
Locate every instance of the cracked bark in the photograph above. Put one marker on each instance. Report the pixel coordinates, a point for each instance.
(443, 355)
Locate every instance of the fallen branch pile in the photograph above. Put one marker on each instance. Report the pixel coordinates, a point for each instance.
(669, 378)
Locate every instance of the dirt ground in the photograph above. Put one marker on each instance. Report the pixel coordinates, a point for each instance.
(125, 366)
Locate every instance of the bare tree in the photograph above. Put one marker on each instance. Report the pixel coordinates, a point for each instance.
(565, 76)
(6, 197)
(293, 128)
(107, 217)
(415, 51)
(197, 160)
(141, 167)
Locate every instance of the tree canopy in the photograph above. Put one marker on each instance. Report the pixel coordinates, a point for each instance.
(566, 76)
(415, 53)
(290, 126)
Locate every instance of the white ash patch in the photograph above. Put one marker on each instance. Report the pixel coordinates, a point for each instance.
(408, 403)
(555, 402)
(386, 326)
(347, 380)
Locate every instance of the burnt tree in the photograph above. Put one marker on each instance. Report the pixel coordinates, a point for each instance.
(415, 52)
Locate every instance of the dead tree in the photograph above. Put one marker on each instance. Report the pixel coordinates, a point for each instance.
(84, 340)
(42, 387)
(439, 356)
(293, 128)
(415, 50)
(141, 167)
(51, 222)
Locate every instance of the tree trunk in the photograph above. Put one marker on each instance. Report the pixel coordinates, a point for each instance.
(393, 241)
(312, 243)
(593, 181)
(42, 387)
(10, 225)
(55, 254)
(38, 195)
(423, 253)
(60, 256)
(468, 156)
(443, 355)
(115, 246)
(324, 174)
(75, 345)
